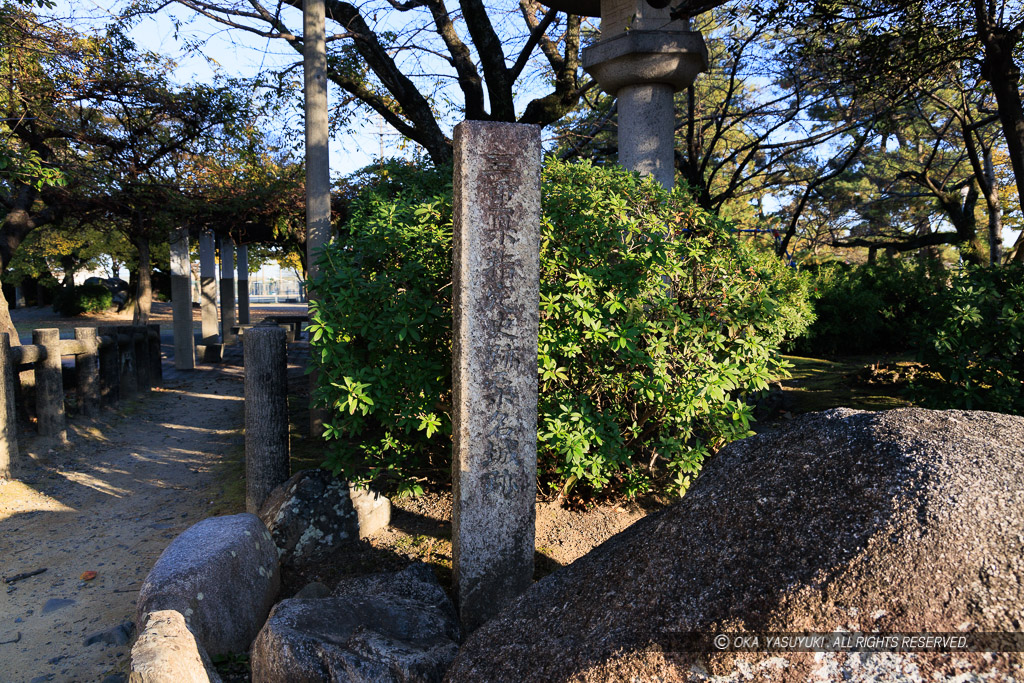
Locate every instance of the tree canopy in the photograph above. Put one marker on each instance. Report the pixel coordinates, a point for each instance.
(417, 64)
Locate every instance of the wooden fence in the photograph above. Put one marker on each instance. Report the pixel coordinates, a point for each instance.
(111, 364)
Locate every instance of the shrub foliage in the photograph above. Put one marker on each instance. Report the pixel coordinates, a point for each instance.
(657, 329)
(72, 301)
(978, 347)
(889, 305)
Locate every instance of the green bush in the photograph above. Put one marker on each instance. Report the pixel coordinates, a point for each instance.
(639, 381)
(72, 301)
(884, 306)
(978, 348)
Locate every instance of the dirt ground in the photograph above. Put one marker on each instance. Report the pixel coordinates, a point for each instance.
(133, 479)
(108, 503)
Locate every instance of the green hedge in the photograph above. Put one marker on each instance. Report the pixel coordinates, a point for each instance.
(639, 381)
(978, 347)
(885, 306)
(72, 301)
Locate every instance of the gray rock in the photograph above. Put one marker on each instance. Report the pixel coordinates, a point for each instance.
(167, 651)
(396, 626)
(315, 513)
(118, 635)
(312, 590)
(908, 520)
(373, 510)
(222, 575)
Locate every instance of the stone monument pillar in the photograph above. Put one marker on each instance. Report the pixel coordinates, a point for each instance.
(242, 256)
(494, 362)
(227, 289)
(642, 58)
(208, 295)
(181, 301)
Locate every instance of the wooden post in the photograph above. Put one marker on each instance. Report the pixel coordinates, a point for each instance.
(9, 429)
(266, 413)
(50, 385)
(140, 337)
(87, 372)
(126, 361)
(110, 369)
(156, 366)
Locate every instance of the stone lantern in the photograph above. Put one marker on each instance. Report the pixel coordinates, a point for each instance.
(642, 58)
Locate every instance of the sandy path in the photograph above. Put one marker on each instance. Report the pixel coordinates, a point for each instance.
(109, 503)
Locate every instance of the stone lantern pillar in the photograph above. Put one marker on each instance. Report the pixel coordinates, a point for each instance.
(643, 57)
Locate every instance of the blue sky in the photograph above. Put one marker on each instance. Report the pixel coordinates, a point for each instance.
(233, 53)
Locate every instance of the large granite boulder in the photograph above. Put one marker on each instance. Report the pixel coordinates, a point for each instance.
(222, 576)
(314, 513)
(909, 520)
(396, 626)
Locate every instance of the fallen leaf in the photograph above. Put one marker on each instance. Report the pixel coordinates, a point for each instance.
(88, 576)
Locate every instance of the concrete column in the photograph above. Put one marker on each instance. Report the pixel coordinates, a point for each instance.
(647, 131)
(208, 289)
(87, 372)
(50, 386)
(318, 173)
(494, 363)
(19, 297)
(266, 413)
(643, 56)
(227, 289)
(318, 169)
(8, 413)
(110, 369)
(243, 284)
(181, 301)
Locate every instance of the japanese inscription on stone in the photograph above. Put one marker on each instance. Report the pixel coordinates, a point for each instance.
(496, 290)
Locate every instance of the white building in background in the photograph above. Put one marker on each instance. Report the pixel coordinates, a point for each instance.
(271, 284)
(277, 285)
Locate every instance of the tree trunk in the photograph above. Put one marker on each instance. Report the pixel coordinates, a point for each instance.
(1000, 70)
(6, 324)
(995, 210)
(16, 225)
(144, 290)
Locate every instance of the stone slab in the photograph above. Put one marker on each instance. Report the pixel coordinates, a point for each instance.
(496, 292)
